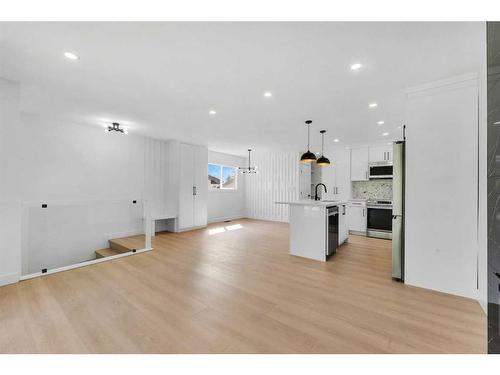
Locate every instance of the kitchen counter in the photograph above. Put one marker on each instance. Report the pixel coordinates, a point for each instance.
(309, 234)
(312, 202)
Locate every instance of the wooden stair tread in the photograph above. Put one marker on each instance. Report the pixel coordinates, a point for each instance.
(107, 252)
(126, 244)
(120, 245)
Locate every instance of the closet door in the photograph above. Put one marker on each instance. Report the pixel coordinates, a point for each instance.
(201, 185)
(186, 187)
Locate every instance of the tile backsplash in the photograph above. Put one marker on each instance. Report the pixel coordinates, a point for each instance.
(372, 189)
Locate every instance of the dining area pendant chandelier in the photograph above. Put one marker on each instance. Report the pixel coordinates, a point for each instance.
(308, 156)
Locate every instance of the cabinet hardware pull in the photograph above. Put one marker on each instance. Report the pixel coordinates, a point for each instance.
(194, 190)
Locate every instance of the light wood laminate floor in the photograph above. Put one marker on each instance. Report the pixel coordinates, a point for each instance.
(236, 291)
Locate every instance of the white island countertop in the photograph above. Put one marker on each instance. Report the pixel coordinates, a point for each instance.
(312, 202)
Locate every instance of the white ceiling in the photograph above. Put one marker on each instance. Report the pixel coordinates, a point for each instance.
(163, 78)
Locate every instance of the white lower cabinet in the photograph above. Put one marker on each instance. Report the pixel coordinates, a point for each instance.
(343, 226)
(356, 216)
(193, 187)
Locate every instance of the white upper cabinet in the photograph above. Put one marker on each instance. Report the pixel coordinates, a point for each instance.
(359, 164)
(380, 153)
(336, 176)
(193, 187)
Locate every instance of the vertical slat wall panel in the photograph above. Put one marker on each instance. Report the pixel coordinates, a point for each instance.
(161, 177)
(277, 180)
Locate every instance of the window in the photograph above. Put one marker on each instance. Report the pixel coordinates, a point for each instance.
(222, 177)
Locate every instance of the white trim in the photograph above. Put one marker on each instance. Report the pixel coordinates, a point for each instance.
(268, 218)
(10, 278)
(191, 228)
(222, 219)
(442, 83)
(84, 264)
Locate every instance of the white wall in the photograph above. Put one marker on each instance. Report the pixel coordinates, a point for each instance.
(226, 204)
(10, 211)
(483, 182)
(52, 161)
(277, 180)
(441, 237)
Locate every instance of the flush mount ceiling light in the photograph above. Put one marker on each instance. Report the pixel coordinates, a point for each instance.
(356, 66)
(380, 123)
(308, 156)
(336, 140)
(248, 169)
(385, 134)
(268, 94)
(115, 128)
(373, 105)
(212, 112)
(71, 56)
(322, 160)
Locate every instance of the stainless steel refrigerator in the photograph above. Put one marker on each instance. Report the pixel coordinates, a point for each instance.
(398, 210)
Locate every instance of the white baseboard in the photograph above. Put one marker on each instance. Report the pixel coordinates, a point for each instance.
(268, 218)
(10, 278)
(221, 219)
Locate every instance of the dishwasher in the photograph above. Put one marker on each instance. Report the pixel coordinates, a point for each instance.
(332, 237)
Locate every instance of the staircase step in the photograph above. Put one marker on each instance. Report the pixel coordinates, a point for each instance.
(103, 253)
(121, 245)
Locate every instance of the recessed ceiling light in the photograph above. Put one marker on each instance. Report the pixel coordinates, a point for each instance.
(373, 105)
(381, 123)
(356, 66)
(71, 56)
(212, 112)
(385, 134)
(336, 140)
(268, 94)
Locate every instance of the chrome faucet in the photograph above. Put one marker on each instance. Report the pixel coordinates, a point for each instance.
(316, 197)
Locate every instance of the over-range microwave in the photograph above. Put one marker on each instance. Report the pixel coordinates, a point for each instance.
(380, 169)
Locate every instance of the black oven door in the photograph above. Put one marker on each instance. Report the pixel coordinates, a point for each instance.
(379, 218)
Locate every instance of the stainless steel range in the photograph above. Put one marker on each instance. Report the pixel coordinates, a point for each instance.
(379, 218)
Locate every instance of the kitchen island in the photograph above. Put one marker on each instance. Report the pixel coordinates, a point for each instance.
(317, 228)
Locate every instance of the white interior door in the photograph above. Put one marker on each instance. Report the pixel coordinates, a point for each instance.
(186, 198)
(441, 188)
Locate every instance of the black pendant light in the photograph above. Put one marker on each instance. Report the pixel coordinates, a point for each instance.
(322, 160)
(308, 156)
